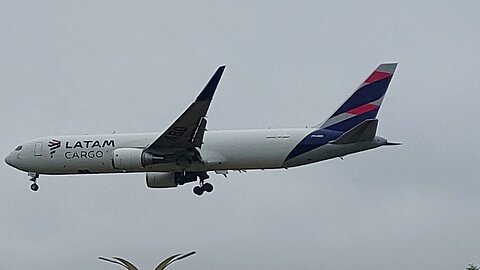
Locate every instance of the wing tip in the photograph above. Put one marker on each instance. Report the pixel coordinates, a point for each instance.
(209, 89)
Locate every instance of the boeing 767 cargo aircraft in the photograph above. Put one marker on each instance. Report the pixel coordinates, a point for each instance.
(186, 151)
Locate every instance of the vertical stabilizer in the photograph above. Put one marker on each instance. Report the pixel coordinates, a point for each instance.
(364, 103)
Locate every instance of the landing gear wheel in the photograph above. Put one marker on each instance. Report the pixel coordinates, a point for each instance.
(207, 187)
(34, 187)
(198, 190)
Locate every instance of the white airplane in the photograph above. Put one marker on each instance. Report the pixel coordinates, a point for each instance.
(186, 151)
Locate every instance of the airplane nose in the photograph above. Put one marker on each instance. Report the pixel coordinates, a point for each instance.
(13, 160)
(8, 159)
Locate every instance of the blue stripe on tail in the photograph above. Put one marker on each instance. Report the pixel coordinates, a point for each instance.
(362, 105)
(364, 95)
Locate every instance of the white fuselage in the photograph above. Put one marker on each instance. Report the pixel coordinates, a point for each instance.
(222, 150)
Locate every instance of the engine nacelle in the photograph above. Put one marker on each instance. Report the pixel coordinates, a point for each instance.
(131, 158)
(161, 179)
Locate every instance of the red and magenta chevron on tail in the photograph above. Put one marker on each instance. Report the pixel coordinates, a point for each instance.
(364, 103)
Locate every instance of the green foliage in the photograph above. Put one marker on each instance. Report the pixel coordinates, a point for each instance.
(471, 266)
(168, 261)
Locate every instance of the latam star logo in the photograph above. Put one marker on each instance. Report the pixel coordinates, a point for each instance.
(54, 145)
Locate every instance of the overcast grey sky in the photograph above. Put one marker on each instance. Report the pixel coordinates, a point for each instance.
(134, 66)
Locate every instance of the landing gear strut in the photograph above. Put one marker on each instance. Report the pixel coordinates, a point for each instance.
(34, 186)
(186, 177)
(203, 187)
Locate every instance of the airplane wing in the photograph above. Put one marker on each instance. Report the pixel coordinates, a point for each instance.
(187, 131)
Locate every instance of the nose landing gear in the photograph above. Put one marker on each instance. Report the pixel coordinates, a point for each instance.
(34, 186)
(34, 176)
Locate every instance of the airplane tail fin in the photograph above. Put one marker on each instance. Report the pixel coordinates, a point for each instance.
(364, 103)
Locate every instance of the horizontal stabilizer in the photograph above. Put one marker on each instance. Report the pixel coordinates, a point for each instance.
(392, 143)
(364, 131)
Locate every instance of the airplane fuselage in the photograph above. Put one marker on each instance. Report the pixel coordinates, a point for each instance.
(222, 150)
(185, 152)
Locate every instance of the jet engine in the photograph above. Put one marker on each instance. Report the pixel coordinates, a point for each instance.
(161, 179)
(132, 158)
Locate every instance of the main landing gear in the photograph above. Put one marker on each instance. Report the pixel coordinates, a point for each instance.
(186, 177)
(34, 186)
(203, 187)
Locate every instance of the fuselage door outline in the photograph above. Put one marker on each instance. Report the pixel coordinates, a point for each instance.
(37, 151)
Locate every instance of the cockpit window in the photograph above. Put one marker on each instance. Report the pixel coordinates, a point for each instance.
(18, 148)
